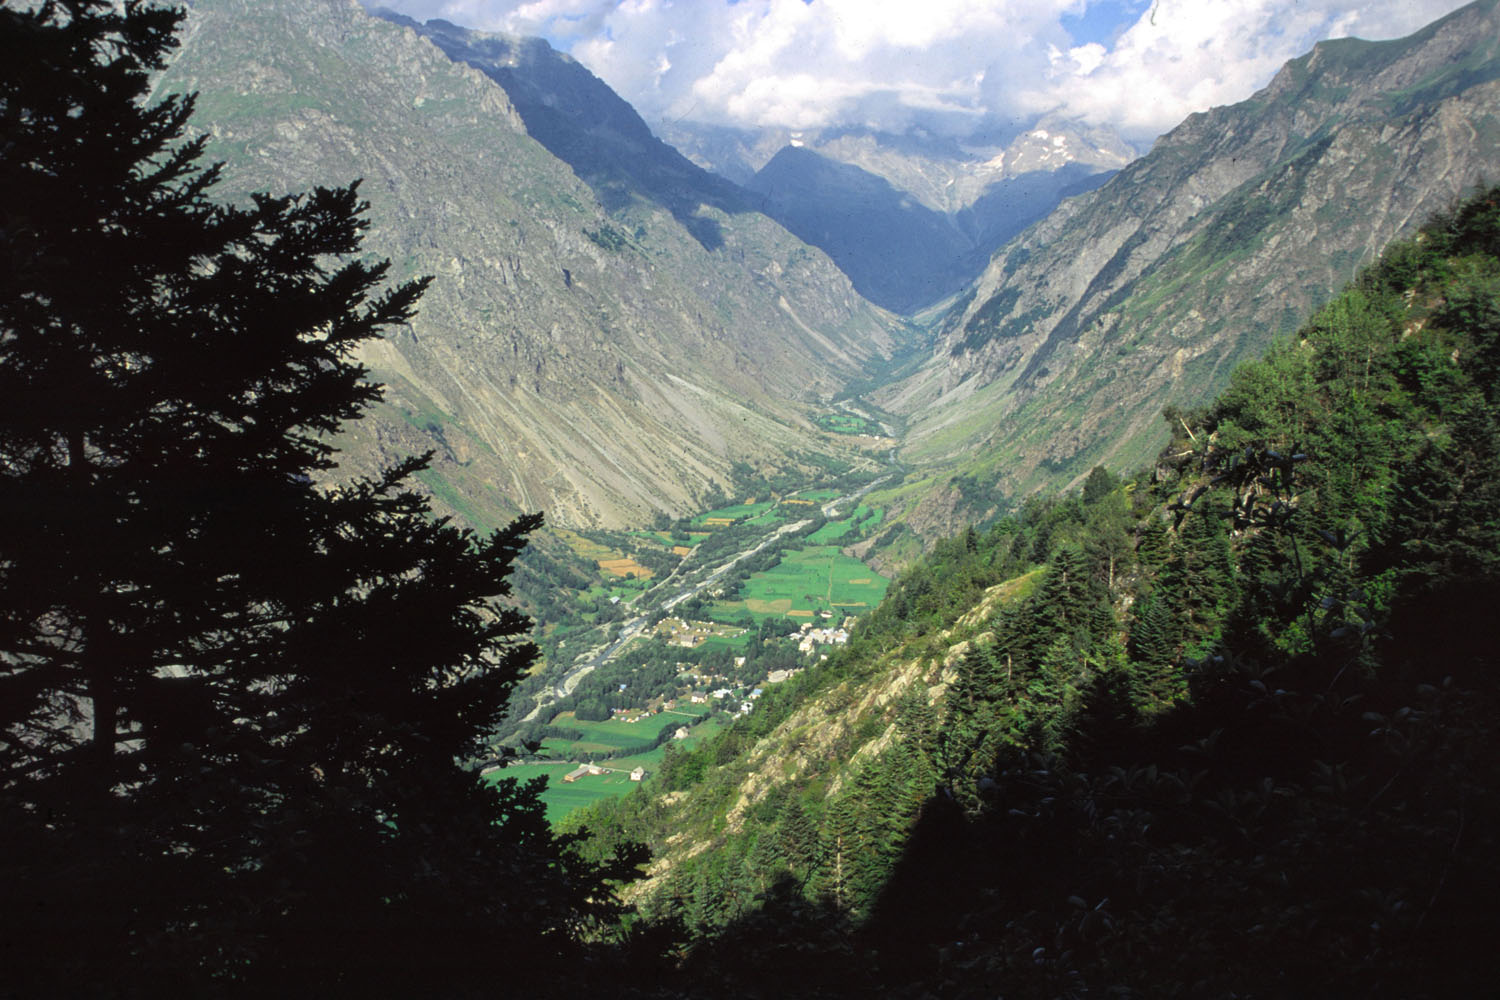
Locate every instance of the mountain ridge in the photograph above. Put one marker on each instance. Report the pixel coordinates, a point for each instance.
(600, 364)
(1143, 293)
(910, 218)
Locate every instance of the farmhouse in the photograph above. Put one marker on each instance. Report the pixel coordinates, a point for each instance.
(581, 771)
(638, 774)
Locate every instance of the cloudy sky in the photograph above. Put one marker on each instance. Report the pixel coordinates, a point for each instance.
(954, 66)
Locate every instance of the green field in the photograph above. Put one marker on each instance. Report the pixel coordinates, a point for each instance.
(850, 528)
(809, 580)
(736, 642)
(612, 734)
(738, 512)
(848, 423)
(561, 797)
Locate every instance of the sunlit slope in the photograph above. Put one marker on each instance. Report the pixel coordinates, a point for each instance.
(597, 364)
(1146, 292)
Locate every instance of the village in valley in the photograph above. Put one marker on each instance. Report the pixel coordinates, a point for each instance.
(758, 591)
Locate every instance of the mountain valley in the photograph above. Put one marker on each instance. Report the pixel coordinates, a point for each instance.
(573, 393)
(597, 362)
(847, 563)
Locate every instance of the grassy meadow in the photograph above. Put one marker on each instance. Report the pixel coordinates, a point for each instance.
(806, 581)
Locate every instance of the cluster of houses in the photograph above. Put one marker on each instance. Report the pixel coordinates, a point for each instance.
(811, 636)
(722, 695)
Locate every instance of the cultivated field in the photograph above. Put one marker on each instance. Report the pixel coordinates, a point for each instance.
(624, 566)
(613, 734)
(562, 797)
(733, 514)
(852, 527)
(806, 581)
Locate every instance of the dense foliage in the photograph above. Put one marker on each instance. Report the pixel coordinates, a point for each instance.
(1224, 729)
(235, 693)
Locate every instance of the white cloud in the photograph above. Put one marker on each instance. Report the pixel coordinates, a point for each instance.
(1189, 55)
(943, 63)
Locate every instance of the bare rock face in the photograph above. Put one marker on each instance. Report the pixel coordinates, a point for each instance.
(1147, 291)
(598, 361)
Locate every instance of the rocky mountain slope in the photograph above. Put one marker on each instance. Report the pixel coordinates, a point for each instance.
(588, 126)
(595, 358)
(1146, 292)
(910, 218)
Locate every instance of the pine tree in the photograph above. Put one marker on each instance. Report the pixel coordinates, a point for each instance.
(797, 838)
(1198, 581)
(1152, 545)
(836, 880)
(224, 675)
(1063, 600)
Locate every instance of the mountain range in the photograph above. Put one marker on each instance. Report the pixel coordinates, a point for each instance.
(1146, 292)
(614, 327)
(910, 218)
(592, 351)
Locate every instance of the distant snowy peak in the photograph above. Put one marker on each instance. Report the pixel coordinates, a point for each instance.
(945, 174)
(1052, 145)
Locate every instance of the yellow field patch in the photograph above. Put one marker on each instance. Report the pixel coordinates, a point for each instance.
(800, 613)
(862, 581)
(780, 606)
(851, 604)
(619, 567)
(586, 548)
(681, 550)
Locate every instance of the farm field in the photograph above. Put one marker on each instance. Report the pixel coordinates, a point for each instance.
(561, 797)
(806, 581)
(625, 566)
(863, 519)
(848, 423)
(613, 734)
(737, 512)
(735, 642)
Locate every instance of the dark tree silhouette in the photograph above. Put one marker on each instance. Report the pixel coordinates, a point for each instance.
(235, 694)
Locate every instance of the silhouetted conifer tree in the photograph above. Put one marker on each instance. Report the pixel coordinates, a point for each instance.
(234, 696)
